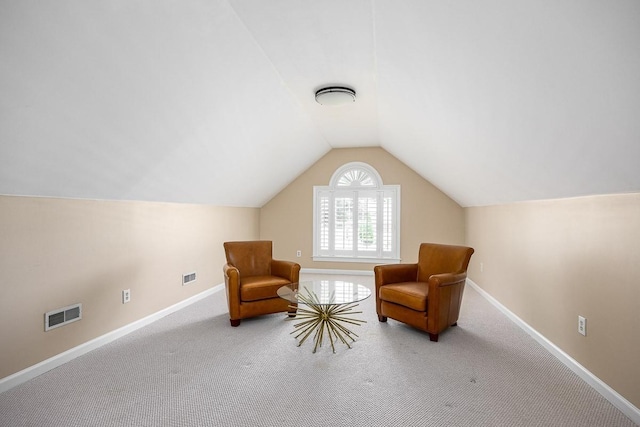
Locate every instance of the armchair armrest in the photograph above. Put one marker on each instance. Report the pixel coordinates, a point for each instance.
(232, 286)
(395, 273)
(287, 269)
(446, 279)
(445, 296)
(230, 272)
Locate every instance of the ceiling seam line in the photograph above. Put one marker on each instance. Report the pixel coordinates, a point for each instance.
(282, 80)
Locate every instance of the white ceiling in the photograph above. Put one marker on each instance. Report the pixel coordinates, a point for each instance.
(211, 101)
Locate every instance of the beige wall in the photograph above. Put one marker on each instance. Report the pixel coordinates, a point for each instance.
(58, 252)
(550, 261)
(427, 214)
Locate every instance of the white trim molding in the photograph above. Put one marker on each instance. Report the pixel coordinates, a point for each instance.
(357, 260)
(596, 383)
(356, 218)
(31, 372)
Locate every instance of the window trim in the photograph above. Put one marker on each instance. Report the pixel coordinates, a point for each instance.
(374, 185)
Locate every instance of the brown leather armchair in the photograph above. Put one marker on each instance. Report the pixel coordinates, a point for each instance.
(426, 295)
(252, 277)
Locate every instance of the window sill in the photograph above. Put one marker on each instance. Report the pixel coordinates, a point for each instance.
(361, 260)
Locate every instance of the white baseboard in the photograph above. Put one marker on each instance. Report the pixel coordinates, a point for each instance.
(31, 372)
(596, 383)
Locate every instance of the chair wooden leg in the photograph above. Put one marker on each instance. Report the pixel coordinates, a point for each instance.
(234, 322)
(433, 337)
(293, 310)
(382, 318)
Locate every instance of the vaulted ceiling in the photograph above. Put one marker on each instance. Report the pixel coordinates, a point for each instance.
(212, 101)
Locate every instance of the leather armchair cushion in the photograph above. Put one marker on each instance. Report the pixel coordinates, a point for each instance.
(409, 294)
(254, 288)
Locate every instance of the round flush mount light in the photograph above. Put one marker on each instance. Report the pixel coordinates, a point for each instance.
(335, 95)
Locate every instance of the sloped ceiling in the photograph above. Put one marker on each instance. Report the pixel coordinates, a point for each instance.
(212, 101)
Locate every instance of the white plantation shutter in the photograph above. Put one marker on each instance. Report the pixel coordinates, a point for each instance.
(323, 226)
(387, 224)
(343, 223)
(367, 223)
(356, 217)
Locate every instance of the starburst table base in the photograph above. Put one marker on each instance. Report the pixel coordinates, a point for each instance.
(324, 319)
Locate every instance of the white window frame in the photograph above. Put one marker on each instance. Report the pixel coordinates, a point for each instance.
(345, 183)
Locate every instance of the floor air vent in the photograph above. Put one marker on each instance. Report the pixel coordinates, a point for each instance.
(188, 278)
(62, 316)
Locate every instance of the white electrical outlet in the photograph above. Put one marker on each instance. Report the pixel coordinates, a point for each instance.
(298, 253)
(481, 267)
(582, 326)
(126, 296)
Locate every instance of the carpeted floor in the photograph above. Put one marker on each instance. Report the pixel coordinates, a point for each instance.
(192, 369)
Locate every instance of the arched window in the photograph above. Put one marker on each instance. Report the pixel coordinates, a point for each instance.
(356, 218)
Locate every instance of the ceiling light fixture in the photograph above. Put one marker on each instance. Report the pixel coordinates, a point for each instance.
(335, 95)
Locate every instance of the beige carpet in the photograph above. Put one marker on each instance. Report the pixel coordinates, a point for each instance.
(192, 369)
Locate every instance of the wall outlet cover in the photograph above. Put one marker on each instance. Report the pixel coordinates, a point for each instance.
(126, 296)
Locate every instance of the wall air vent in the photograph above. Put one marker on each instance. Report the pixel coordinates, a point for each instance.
(62, 316)
(188, 278)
